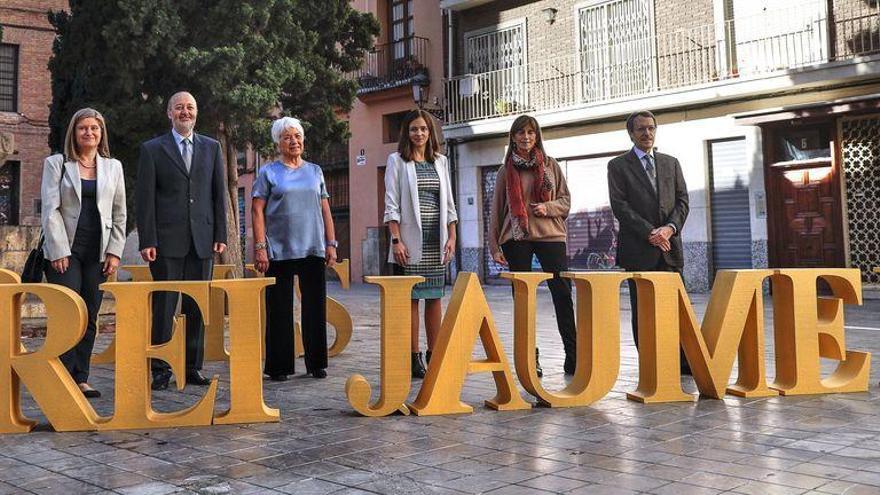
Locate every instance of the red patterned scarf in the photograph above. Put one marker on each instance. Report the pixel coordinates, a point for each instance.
(541, 188)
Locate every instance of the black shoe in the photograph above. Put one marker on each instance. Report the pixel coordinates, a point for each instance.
(319, 373)
(196, 378)
(88, 391)
(160, 380)
(570, 364)
(278, 378)
(418, 368)
(427, 359)
(538, 370)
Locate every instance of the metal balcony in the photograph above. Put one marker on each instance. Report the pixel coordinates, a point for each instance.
(639, 65)
(392, 65)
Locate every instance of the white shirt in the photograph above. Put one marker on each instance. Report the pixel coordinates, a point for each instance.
(641, 155)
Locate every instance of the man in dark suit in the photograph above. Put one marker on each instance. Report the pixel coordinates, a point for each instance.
(650, 200)
(181, 221)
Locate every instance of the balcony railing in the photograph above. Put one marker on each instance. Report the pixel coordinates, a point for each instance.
(738, 48)
(391, 65)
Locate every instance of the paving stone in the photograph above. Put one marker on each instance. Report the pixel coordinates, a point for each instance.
(151, 488)
(761, 488)
(309, 487)
(552, 483)
(677, 488)
(602, 490)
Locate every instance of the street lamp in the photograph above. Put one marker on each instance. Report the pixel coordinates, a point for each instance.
(420, 84)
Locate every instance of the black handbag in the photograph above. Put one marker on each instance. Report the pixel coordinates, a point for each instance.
(32, 273)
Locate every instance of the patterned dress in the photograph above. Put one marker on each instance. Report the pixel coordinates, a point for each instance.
(431, 265)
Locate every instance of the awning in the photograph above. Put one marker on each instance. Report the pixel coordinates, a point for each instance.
(843, 106)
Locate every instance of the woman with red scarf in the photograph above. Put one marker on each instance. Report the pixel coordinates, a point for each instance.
(528, 218)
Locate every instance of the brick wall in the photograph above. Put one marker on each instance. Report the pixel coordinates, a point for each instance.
(15, 244)
(25, 24)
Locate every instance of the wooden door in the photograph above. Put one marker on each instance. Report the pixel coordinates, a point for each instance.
(807, 216)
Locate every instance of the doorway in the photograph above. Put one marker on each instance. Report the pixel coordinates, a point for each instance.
(805, 220)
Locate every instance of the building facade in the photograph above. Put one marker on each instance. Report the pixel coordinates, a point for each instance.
(408, 51)
(771, 106)
(25, 94)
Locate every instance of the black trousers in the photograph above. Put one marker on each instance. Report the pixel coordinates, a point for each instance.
(662, 266)
(280, 352)
(190, 267)
(84, 274)
(553, 260)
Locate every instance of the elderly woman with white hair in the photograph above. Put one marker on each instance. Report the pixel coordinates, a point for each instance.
(293, 236)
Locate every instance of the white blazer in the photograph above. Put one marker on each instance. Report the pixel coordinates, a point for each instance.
(61, 205)
(402, 203)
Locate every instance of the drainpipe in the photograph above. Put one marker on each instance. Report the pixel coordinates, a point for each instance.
(452, 157)
(450, 44)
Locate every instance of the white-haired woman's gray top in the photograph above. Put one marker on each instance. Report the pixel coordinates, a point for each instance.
(294, 223)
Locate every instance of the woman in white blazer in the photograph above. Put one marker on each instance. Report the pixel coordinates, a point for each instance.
(420, 214)
(83, 195)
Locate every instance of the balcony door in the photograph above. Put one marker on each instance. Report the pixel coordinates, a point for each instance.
(402, 30)
(617, 50)
(498, 55)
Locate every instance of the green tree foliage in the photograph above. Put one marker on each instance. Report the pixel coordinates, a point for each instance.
(245, 62)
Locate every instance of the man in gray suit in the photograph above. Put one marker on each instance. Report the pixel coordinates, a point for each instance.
(649, 198)
(181, 221)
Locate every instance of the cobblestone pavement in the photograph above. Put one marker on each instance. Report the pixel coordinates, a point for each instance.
(782, 445)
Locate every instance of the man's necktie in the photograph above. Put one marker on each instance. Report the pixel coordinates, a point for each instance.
(187, 154)
(652, 173)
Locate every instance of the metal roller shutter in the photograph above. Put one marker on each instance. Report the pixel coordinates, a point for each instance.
(729, 172)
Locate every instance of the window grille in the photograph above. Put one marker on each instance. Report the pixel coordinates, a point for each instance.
(617, 48)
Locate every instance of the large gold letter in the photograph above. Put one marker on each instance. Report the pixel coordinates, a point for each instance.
(9, 277)
(734, 322)
(41, 371)
(215, 334)
(245, 297)
(659, 360)
(808, 327)
(133, 348)
(337, 316)
(395, 372)
(468, 314)
(215, 349)
(598, 336)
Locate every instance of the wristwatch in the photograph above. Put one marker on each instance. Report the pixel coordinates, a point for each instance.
(333, 243)
(261, 245)
(395, 240)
